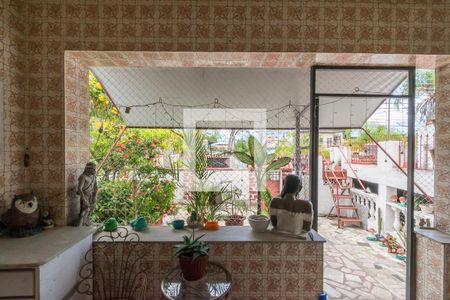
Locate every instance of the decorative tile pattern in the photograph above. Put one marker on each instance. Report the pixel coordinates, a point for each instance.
(430, 269)
(41, 115)
(37, 33)
(293, 271)
(442, 149)
(14, 178)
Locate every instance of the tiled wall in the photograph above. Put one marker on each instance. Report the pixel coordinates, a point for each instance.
(54, 26)
(442, 152)
(283, 270)
(13, 176)
(35, 34)
(430, 268)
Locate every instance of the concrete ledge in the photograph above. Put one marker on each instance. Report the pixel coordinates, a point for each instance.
(224, 234)
(37, 250)
(434, 234)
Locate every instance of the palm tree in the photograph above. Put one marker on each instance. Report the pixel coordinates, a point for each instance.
(260, 162)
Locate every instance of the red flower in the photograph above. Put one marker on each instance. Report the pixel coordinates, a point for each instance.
(126, 155)
(119, 149)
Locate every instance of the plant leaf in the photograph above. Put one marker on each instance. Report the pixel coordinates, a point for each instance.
(259, 152)
(276, 164)
(244, 158)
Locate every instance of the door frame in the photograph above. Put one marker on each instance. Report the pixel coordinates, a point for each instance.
(314, 153)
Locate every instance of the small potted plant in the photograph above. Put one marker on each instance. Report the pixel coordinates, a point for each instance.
(216, 201)
(394, 198)
(193, 221)
(236, 213)
(401, 250)
(193, 257)
(373, 237)
(391, 243)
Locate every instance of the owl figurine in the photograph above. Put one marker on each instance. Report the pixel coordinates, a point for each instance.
(23, 216)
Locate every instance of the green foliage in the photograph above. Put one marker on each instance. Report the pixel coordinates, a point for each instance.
(379, 133)
(152, 200)
(206, 199)
(131, 182)
(241, 145)
(192, 247)
(266, 198)
(261, 162)
(286, 145)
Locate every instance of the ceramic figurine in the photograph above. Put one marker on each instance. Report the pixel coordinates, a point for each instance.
(22, 218)
(288, 214)
(110, 225)
(46, 220)
(139, 224)
(87, 190)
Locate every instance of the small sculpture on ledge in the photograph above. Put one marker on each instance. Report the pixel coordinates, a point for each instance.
(46, 220)
(87, 190)
(22, 218)
(288, 214)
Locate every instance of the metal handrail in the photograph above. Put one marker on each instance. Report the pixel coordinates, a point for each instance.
(397, 165)
(351, 168)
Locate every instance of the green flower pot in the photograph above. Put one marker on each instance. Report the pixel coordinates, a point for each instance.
(139, 224)
(110, 225)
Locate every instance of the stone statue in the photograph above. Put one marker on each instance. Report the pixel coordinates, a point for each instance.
(87, 190)
(288, 214)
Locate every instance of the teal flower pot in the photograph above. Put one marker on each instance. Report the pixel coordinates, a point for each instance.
(139, 224)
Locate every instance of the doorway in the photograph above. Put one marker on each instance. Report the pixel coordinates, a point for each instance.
(343, 100)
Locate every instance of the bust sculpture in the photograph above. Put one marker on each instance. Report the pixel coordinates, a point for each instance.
(87, 190)
(288, 214)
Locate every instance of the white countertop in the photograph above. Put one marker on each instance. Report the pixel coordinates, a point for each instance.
(36, 250)
(224, 234)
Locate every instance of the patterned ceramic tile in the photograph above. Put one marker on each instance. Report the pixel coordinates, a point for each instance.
(36, 33)
(255, 276)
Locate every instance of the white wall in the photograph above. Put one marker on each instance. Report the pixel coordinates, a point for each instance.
(60, 275)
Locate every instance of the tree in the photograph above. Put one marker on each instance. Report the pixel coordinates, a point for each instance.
(131, 181)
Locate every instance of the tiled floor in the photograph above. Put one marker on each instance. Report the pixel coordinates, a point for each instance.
(356, 268)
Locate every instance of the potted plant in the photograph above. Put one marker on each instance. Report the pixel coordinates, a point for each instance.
(391, 243)
(394, 198)
(373, 237)
(260, 162)
(193, 257)
(236, 210)
(401, 251)
(204, 199)
(215, 203)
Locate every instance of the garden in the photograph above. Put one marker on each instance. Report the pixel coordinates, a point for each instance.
(165, 174)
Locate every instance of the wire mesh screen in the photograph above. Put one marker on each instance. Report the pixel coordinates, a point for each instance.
(164, 137)
(375, 154)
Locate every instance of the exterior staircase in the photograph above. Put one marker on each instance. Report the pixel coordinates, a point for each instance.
(343, 203)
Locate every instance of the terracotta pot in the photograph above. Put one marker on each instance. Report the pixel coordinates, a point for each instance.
(193, 270)
(212, 225)
(234, 220)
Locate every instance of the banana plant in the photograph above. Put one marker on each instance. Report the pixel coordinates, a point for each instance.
(260, 162)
